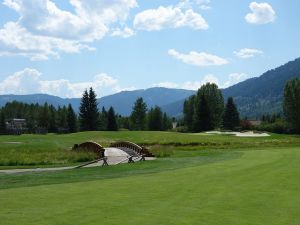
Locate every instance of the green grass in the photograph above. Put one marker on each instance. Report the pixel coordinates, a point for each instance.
(55, 150)
(205, 180)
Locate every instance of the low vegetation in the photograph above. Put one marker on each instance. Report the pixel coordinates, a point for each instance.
(196, 177)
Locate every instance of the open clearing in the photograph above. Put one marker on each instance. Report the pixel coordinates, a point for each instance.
(209, 180)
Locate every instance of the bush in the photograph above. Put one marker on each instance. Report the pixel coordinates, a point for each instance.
(279, 127)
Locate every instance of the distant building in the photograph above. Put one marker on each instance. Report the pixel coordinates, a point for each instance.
(16, 126)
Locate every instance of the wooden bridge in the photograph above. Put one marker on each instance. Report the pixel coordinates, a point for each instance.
(132, 149)
(131, 152)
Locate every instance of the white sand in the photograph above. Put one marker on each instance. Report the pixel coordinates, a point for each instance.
(241, 134)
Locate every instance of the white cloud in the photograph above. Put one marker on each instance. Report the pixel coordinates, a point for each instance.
(166, 84)
(246, 53)
(198, 59)
(169, 17)
(202, 4)
(29, 81)
(16, 40)
(232, 79)
(125, 33)
(262, 13)
(49, 30)
(195, 85)
(235, 78)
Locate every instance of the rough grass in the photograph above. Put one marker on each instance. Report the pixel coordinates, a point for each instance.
(54, 150)
(244, 186)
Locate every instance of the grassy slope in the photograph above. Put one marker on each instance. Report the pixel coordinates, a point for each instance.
(54, 150)
(259, 187)
(247, 181)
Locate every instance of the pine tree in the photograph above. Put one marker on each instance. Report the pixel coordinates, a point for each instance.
(138, 115)
(155, 119)
(84, 111)
(43, 120)
(52, 119)
(71, 120)
(62, 119)
(94, 112)
(188, 110)
(291, 104)
(103, 119)
(202, 116)
(231, 118)
(166, 122)
(3, 130)
(88, 111)
(215, 102)
(111, 120)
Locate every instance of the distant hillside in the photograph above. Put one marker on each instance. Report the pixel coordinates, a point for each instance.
(40, 99)
(122, 102)
(263, 94)
(254, 96)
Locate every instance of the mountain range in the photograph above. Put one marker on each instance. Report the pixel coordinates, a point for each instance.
(254, 97)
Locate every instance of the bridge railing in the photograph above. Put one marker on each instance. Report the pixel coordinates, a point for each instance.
(138, 149)
(90, 147)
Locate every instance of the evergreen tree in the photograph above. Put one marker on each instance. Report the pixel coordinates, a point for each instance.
(188, 110)
(62, 119)
(138, 115)
(194, 110)
(155, 119)
(231, 118)
(84, 112)
(94, 112)
(291, 104)
(202, 116)
(3, 130)
(43, 120)
(111, 120)
(215, 101)
(103, 119)
(52, 119)
(88, 111)
(71, 120)
(166, 122)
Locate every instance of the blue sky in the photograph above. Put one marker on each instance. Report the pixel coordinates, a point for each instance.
(62, 47)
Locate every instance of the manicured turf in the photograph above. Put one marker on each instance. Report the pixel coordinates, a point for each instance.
(206, 184)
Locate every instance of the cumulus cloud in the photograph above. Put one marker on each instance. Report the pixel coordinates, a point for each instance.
(16, 40)
(125, 33)
(235, 78)
(169, 17)
(262, 13)
(232, 79)
(202, 4)
(246, 53)
(195, 85)
(29, 81)
(166, 84)
(198, 59)
(51, 30)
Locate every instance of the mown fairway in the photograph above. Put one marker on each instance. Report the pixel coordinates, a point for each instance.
(209, 180)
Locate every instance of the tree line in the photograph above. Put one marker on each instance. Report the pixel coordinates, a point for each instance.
(203, 111)
(206, 111)
(47, 118)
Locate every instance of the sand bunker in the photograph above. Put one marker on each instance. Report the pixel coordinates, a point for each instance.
(241, 134)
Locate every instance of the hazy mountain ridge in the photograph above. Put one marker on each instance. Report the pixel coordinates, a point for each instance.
(122, 102)
(254, 96)
(263, 94)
